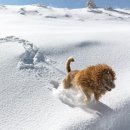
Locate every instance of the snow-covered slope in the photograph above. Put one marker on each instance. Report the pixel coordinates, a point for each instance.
(35, 42)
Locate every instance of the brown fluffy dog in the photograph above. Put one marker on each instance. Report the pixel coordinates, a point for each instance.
(94, 80)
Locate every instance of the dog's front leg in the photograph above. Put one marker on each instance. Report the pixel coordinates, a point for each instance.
(97, 96)
(86, 93)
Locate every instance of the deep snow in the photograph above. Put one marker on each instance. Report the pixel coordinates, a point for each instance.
(35, 42)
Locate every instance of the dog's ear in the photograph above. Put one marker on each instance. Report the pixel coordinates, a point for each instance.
(109, 71)
(106, 71)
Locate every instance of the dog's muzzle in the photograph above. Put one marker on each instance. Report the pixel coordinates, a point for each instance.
(110, 86)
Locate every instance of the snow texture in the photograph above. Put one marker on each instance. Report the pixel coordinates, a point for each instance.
(35, 41)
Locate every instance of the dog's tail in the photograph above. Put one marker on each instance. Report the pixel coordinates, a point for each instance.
(69, 60)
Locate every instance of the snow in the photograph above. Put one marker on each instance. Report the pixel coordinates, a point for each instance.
(35, 41)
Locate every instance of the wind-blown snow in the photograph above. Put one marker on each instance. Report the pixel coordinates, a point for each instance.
(35, 41)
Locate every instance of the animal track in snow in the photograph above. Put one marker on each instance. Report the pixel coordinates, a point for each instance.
(13, 39)
(32, 58)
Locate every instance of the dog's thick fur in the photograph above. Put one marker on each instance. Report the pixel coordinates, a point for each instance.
(94, 80)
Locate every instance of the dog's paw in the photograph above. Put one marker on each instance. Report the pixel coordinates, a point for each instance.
(86, 101)
(94, 101)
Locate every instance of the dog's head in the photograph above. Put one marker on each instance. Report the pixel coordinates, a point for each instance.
(106, 77)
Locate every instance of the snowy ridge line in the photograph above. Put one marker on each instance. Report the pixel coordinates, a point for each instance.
(32, 58)
(112, 13)
(23, 11)
(3, 7)
(118, 11)
(84, 14)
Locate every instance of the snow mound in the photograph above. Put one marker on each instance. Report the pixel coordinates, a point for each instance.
(2, 7)
(23, 11)
(41, 5)
(73, 97)
(58, 16)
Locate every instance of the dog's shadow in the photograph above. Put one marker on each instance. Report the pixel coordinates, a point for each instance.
(94, 107)
(98, 107)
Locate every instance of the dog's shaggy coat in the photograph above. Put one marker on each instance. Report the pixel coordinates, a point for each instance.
(94, 80)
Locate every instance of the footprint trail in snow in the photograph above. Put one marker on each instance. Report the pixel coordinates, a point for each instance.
(33, 58)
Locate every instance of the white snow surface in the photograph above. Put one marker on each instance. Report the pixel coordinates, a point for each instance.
(35, 41)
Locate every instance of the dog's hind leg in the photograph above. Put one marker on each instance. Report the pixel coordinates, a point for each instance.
(66, 83)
